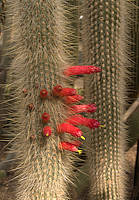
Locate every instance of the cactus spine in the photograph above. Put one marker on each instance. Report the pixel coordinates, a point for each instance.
(42, 50)
(104, 34)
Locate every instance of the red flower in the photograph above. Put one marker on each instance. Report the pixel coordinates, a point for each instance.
(72, 99)
(69, 128)
(56, 90)
(47, 131)
(43, 94)
(45, 117)
(93, 123)
(69, 146)
(77, 70)
(83, 108)
(80, 120)
(67, 92)
(59, 91)
(76, 120)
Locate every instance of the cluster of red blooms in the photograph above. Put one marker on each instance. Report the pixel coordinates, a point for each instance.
(70, 96)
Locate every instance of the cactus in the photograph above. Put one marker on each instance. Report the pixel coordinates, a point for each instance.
(41, 36)
(105, 38)
(44, 39)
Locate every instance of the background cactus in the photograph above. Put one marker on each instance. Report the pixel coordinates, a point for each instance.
(42, 48)
(105, 34)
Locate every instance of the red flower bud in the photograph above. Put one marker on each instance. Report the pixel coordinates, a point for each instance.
(77, 70)
(56, 90)
(72, 99)
(83, 108)
(47, 131)
(69, 146)
(45, 117)
(69, 128)
(43, 94)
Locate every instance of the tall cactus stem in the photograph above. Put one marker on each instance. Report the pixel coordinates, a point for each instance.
(105, 38)
(42, 49)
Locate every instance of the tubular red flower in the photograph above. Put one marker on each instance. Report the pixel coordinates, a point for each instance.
(77, 70)
(47, 131)
(90, 108)
(45, 117)
(80, 120)
(72, 99)
(93, 123)
(76, 120)
(56, 90)
(69, 128)
(59, 91)
(69, 146)
(43, 94)
(67, 92)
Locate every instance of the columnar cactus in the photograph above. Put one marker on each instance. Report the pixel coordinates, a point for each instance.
(42, 112)
(43, 115)
(40, 33)
(105, 35)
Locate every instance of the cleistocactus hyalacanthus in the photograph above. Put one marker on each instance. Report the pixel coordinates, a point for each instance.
(105, 44)
(41, 48)
(39, 84)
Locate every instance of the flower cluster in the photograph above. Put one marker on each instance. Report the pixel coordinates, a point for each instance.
(70, 96)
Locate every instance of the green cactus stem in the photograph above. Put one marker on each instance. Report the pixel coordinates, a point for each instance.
(105, 38)
(40, 33)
